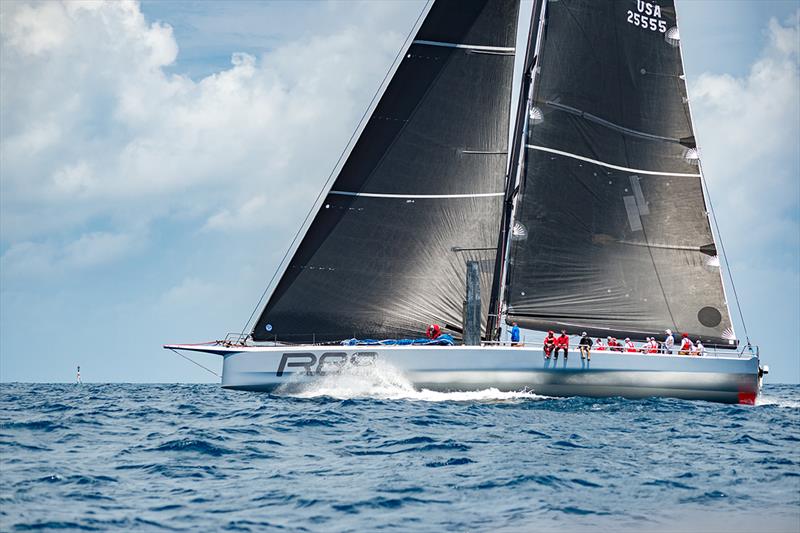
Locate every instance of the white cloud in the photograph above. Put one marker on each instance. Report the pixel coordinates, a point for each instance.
(26, 259)
(93, 127)
(749, 130)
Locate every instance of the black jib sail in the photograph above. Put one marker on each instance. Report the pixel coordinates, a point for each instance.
(420, 194)
(611, 232)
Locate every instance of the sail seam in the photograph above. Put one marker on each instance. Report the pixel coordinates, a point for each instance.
(467, 46)
(609, 165)
(417, 196)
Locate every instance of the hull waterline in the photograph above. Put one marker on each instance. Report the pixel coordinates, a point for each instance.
(464, 368)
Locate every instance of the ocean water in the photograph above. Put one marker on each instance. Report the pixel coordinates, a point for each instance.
(371, 453)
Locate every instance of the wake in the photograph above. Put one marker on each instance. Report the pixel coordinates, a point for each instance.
(385, 382)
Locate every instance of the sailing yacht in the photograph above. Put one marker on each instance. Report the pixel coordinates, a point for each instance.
(582, 207)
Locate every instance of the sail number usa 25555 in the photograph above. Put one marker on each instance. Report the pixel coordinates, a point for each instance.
(647, 16)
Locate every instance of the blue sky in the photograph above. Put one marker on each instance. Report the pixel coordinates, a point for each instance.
(156, 158)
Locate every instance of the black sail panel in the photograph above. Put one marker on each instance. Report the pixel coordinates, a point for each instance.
(612, 234)
(420, 194)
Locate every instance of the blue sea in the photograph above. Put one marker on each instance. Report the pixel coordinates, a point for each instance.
(382, 456)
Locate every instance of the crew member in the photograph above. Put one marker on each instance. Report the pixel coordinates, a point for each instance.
(549, 344)
(433, 331)
(585, 345)
(599, 346)
(514, 334)
(699, 349)
(669, 342)
(562, 343)
(629, 346)
(653, 346)
(613, 345)
(686, 345)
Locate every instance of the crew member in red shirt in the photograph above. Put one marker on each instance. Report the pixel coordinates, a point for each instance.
(652, 347)
(686, 345)
(549, 344)
(599, 346)
(613, 345)
(562, 343)
(629, 346)
(433, 331)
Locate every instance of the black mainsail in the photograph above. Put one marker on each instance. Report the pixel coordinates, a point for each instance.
(612, 231)
(420, 194)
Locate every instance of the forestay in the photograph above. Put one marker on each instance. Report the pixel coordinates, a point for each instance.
(420, 194)
(611, 232)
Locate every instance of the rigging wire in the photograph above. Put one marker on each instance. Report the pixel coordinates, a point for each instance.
(326, 185)
(194, 362)
(711, 205)
(724, 255)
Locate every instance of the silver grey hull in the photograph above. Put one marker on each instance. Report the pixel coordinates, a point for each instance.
(465, 368)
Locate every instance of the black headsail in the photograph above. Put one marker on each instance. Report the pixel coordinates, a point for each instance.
(612, 234)
(419, 195)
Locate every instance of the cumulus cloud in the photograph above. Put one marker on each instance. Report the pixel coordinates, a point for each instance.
(749, 130)
(94, 126)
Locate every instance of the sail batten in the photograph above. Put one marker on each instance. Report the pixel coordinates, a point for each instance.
(477, 47)
(609, 165)
(415, 196)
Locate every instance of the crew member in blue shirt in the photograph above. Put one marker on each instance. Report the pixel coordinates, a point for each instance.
(514, 334)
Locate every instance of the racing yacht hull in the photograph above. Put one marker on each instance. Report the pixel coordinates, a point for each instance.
(728, 379)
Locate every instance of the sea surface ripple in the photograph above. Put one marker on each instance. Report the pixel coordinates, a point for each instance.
(381, 456)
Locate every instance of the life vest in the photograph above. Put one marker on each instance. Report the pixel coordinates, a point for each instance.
(652, 347)
(686, 344)
(562, 341)
(600, 347)
(433, 331)
(630, 347)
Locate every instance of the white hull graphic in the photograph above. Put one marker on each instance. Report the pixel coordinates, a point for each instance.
(728, 379)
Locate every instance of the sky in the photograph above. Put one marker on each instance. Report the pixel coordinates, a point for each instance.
(156, 159)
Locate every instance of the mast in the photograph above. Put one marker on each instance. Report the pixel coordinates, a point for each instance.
(497, 306)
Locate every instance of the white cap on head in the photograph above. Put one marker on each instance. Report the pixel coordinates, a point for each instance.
(584, 333)
(627, 339)
(669, 332)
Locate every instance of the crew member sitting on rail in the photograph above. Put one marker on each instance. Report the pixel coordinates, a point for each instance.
(585, 345)
(614, 345)
(433, 331)
(514, 334)
(549, 344)
(686, 345)
(699, 349)
(653, 346)
(599, 346)
(562, 343)
(629, 346)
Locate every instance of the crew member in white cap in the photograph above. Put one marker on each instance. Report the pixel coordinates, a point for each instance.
(629, 346)
(669, 342)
